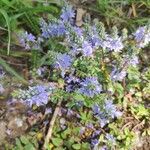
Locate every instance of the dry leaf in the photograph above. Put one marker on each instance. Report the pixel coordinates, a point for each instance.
(134, 10)
(80, 13)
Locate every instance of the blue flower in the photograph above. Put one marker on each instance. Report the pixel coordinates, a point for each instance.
(74, 38)
(78, 31)
(67, 14)
(118, 75)
(90, 125)
(37, 95)
(100, 114)
(70, 113)
(63, 62)
(72, 79)
(104, 148)
(110, 138)
(94, 142)
(106, 112)
(142, 36)
(52, 29)
(44, 28)
(114, 44)
(95, 39)
(26, 38)
(90, 87)
(96, 133)
(139, 34)
(97, 42)
(39, 99)
(96, 109)
(72, 83)
(48, 111)
(134, 61)
(110, 109)
(56, 29)
(87, 49)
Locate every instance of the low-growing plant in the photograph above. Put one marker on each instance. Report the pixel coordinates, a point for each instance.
(94, 71)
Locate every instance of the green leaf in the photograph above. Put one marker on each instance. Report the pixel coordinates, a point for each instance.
(57, 141)
(128, 141)
(142, 111)
(133, 74)
(40, 9)
(85, 146)
(24, 140)
(65, 133)
(18, 144)
(8, 3)
(76, 146)
(119, 89)
(29, 146)
(59, 148)
(5, 15)
(35, 57)
(11, 71)
(79, 97)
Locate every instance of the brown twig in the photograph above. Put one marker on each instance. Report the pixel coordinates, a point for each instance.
(127, 124)
(138, 125)
(49, 133)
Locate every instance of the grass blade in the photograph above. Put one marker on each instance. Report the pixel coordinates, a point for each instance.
(11, 71)
(5, 15)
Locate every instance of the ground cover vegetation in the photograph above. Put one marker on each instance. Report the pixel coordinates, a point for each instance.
(74, 75)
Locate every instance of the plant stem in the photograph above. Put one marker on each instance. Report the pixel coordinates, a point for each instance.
(49, 133)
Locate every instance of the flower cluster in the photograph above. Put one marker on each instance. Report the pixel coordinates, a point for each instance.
(90, 57)
(87, 49)
(90, 87)
(36, 95)
(29, 41)
(72, 83)
(67, 14)
(106, 113)
(117, 75)
(88, 38)
(142, 36)
(114, 44)
(26, 38)
(111, 139)
(52, 29)
(63, 62)
(80, 40)
(134, 61)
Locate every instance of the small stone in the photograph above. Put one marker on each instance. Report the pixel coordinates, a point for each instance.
(62, 121)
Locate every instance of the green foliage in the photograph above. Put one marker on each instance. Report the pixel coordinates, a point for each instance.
(27, 12)
(25, 143)
(11, 71)
(127, 13)
(140, 112)
(57, 141)
(5, 15)
(130, 95)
